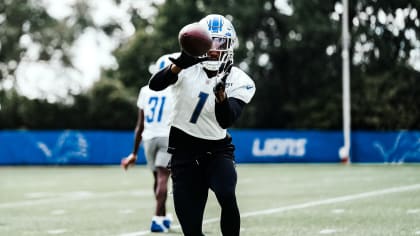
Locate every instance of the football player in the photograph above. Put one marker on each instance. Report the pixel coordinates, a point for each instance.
(153, 129)
(209, 95)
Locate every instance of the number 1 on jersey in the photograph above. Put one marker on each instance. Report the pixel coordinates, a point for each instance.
(202, 97)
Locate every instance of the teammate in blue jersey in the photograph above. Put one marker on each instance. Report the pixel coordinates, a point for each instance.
(152, 128)
(209, 95)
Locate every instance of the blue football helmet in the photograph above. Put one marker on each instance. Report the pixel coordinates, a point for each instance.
(162, 62)
(224, 40)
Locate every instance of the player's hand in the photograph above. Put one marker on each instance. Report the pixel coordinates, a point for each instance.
(225, 69)
(220, 87)
(219, 91)
(184, 60)
(129, 161)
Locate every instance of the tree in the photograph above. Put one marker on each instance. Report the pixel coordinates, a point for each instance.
(29, 33)
(27, 24)
(153, 38)
(295, 59)
(106, 106)
(385, 86)
(293, 54)
(298, 84)
(9, 104)
(110, 107)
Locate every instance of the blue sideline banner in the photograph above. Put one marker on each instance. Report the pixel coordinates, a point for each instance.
(286, 146)
(65, 147)
(252, 146)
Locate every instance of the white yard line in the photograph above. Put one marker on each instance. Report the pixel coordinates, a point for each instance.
(72, 196)
(328, 201)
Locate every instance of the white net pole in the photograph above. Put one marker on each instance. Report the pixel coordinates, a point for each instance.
(345, 150)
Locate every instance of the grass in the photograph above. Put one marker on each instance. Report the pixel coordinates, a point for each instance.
(274, 199)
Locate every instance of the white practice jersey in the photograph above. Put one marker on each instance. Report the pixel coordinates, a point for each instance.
(194, 100)
(157, 107)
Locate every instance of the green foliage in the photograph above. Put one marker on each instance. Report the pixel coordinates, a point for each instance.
(152, 41)
(385, 89)
(134, 61)
(27, 21)
(294, 59)
(387, 101)
(299, 87)
(109, 107)
(106, 106)
(9, 103)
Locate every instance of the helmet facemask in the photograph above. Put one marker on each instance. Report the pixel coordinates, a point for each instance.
(224, 47)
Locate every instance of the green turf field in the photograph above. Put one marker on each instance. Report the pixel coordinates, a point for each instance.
(286, 200)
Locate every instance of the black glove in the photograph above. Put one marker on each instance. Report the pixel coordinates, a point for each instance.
(219, 88)
(226, 67)
(184, 60)
(219, 91)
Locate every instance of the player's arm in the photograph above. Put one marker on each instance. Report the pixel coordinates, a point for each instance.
(138, 131)
(169, 75)
(163, 78)
(228, 110)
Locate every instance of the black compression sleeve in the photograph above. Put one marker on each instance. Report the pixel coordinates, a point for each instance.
(228, 111)
(162, 79)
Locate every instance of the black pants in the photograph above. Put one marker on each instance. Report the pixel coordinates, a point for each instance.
(192, 176)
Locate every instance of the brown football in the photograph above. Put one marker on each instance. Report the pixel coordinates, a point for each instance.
(194, 39)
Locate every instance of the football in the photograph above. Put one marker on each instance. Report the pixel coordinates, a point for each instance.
(194, 39)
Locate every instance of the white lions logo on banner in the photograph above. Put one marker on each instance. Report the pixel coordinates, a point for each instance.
(279, 147)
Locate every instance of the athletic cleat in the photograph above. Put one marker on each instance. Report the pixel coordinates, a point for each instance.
(167, 221)
(158, 226)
